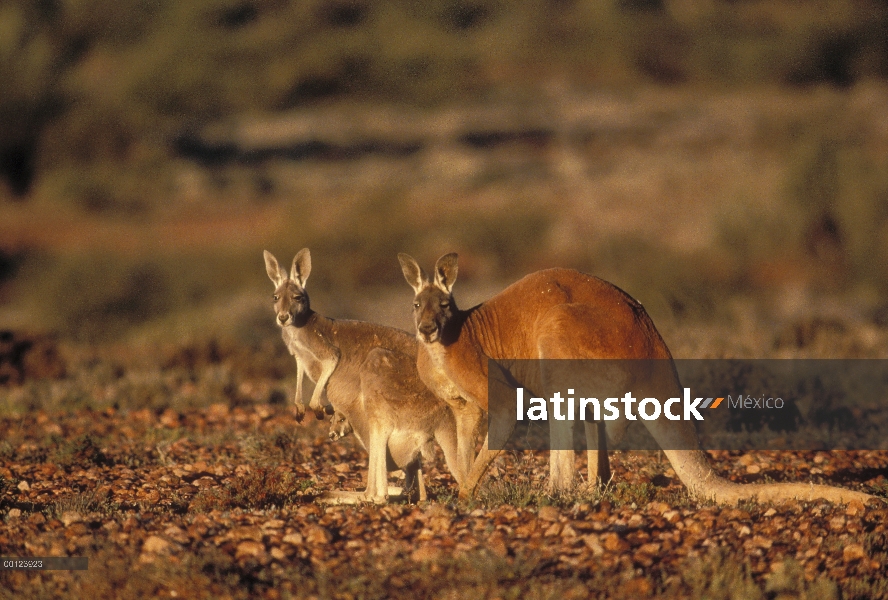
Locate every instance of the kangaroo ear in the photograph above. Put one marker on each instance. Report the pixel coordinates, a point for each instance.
(273, 269)
(301, 267)
(445, 272)
(413, 273)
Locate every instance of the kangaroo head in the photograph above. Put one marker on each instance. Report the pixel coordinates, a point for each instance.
(291, 303)
(433, 306)
(339, 427)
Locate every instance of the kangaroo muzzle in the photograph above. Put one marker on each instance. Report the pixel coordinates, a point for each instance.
(428, 330)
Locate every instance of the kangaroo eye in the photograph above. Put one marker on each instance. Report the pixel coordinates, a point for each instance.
(276, 297)
(416, 305)
(297, 298)
(445, 303)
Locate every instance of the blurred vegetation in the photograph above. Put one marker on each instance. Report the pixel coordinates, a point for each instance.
(89, 82)
(98, 96)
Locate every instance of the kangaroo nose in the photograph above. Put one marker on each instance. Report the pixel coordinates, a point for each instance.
(427, 328)
(333, 436)
(283, 318)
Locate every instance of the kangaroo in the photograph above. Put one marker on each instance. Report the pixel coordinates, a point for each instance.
(339, 427)
(562, 313)
(368, 374)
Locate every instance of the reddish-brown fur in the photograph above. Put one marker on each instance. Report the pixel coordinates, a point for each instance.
(561, 313)
(536, 311)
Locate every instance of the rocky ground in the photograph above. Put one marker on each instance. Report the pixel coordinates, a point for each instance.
(192, 478)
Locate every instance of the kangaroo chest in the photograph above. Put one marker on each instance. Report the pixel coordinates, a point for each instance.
(301, 345)
(436, 374)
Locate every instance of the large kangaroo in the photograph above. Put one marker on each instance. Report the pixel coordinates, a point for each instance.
(562, 313)
(368, 374)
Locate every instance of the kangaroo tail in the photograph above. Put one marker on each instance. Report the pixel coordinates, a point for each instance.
(703, 483)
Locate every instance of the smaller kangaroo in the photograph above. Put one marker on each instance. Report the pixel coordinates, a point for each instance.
(339, 427)
(367, 372)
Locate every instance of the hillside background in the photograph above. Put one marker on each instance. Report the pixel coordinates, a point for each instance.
(723, 161)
